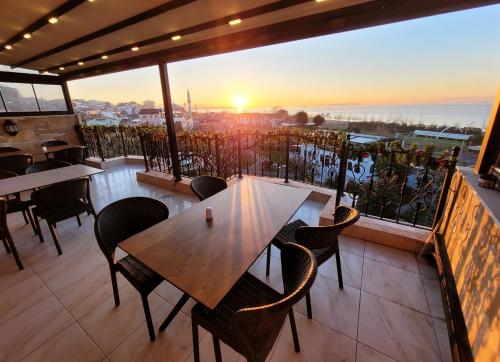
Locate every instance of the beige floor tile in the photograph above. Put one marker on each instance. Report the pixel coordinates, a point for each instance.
(9, 273)
(173, 344)
(443, 339)
(433, 294)
(367, 354)
(352, 268)
(352, 245)
(22, 296)
(172, 295)
(108, 326)
(72, 344)
(317, 343)
(395, 257)
(427, 266)
(395, 284)
(29, 330)
(334, 307)
(396, 331)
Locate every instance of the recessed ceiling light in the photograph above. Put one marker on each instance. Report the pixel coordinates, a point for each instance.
(53, 20)
(81, 63)
(45, 72)
(135, 49)
(104, 57)
(61, 68)
(91, 1)
(8, 47)
(234, 22)
(176, 37)
(319, 1)
(27, 36)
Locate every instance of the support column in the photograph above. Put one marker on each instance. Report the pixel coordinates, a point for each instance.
(169, 118)
(67, 97)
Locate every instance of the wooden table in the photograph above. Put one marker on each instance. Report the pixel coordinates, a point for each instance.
(40, 150)
(206, 259)
(32, 181)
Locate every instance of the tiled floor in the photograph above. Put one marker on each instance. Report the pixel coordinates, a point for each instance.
(61, 308)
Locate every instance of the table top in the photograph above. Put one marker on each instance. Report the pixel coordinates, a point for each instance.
(40, 150)
(21, 183)
(206, 259)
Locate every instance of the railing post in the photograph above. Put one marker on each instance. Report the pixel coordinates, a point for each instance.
(217, 156)
(98, 141)
(446, 185)
(143, 148)
(287, 155)
(344, 155)
(239, 154)
(120, 128)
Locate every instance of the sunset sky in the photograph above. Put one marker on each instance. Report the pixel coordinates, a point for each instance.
(448, 58)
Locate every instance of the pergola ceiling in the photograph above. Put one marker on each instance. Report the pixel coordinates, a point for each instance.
(86, 30)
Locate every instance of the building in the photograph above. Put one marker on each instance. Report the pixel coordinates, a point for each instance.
(148, 104)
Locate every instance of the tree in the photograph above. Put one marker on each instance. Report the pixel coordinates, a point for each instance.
(301, 118)
(318, 120)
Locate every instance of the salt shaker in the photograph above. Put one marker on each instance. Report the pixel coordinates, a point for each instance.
(209, 214)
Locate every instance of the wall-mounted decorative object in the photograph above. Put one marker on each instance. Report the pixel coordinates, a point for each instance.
(10, 127)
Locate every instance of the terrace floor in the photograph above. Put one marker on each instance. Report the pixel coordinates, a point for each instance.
(61, 307)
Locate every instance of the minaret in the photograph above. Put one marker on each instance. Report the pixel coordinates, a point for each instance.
(189, 103)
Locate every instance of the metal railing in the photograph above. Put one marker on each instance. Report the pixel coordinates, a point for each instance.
(381, 180)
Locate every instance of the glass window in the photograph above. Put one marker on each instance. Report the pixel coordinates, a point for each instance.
(50, 97)
(18, 97)
(2, 108)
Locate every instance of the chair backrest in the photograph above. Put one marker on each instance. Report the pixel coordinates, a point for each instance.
(57, 196)
(9, 149)
(46, 165)
(53, 143)
(258, 327)
(3, 217)
(207, 186)
(124, 218)
(16, 163)
(73, 155)
(320, 237)
(7, 174)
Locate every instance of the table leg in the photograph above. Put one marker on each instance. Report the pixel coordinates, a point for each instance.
(174, 311)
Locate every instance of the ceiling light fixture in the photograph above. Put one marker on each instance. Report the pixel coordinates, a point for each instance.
(176, 37)
(61, 68)
(234, 22)
(27, 36)
(53, 20)
(104, 57)
(81, 63)
(8, 47)
(135, 49)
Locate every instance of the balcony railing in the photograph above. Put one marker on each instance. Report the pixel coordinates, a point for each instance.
(380, 179)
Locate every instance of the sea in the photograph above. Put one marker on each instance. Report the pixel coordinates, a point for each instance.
(459, 115)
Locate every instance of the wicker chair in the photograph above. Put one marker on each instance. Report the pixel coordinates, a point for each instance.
(115, 223)
(207, 186)
(53, 143)
(5, 234)
(59, 202)
(321, 240)
(73, 155)
(16, 163)
(16, 204)
(9, 149)
(251, 315)
(46, 165)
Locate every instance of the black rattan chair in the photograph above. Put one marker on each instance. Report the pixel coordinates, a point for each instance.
(117, 222)
(321, 240)
(249, 318)
(206, 186)
(73, 155)
(53, 143)
(5, 234)
(46, 165)
(9, 149)
(16, 163)
(59, 202)
(16, 204)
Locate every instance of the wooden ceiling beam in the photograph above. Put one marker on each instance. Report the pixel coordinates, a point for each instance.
(158, 10)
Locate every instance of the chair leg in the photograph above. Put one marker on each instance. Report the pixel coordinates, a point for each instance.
(177, 308)
(54, 237)
(268, 260)
(115, 288)
(308, 304)
(37, 225)
(196, 346)
(149, 320)
(6, 244)
(78, 219)
(32, 223)
(339, 269)
(295, 336)
(24, 216)
(218, 355)
(14, 252)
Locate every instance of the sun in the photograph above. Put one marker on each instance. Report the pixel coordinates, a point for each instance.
(240, 102)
